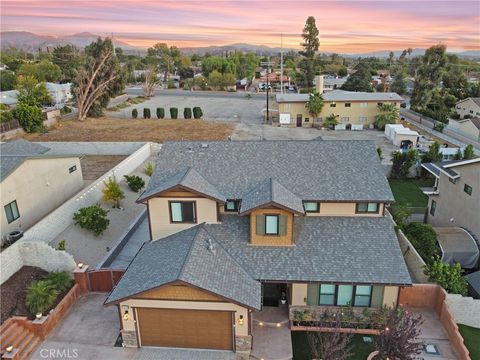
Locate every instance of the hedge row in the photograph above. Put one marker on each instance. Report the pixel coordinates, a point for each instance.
(187, 113)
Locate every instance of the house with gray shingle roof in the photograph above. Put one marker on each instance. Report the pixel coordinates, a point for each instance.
(34, 183)
(240, 226)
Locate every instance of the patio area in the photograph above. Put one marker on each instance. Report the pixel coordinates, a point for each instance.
(271, 333)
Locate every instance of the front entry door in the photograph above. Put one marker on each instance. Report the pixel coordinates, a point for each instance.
(299, 120)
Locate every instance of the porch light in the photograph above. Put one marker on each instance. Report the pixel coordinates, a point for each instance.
(38, 315)
(80, 265)
(240, 320)
(278, 325)
(9, 349)
(260, 323)
(387, 329)
(126, 315)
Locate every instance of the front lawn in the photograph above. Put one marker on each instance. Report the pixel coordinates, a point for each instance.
(301, 350)
(471, 338)
(408, 193)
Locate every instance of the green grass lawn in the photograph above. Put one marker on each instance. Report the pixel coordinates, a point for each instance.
(408, 193)
(471, 337)
(301, 350)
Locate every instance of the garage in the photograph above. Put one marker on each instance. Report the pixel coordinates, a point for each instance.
(202, 329)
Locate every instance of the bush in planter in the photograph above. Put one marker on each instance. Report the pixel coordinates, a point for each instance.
(134, 182)
(61, 245)
(197, 112)
(149, 169)
(173, 113)
(160, 113)
(134, 113)
(93, 218)
(41, 295)
(112, 192)
(187, 113)
(30, 117)
(60, 280)
(146, 113)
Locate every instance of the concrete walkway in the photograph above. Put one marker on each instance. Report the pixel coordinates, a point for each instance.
(146, 353)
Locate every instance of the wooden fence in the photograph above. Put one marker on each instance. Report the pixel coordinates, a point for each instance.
(9, 125)
(104, 280)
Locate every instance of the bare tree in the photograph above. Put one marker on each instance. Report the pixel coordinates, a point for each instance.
(88, 90)
(332, 345)
(399, 339)
(150, 81)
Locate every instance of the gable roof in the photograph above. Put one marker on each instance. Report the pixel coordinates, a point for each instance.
(270, 191)
(187, 178)
(476, 100)
(328, 170)
(186, 256)
(14, 153)
(476, 121)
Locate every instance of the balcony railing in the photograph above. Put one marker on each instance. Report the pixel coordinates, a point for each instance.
(430, 190)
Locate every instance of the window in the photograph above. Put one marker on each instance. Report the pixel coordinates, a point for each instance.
(345, 119)
(11, 210)
(333, 105)
(363, 295)
(433, 207)
(327, 295)
(182, 212)
(348, 104)
(344, 295)
(471, 111)
(271, 224)
(379, 104)
(364, 105)
(362, 118)
(370, 208)
(311, 206)
(307, 119)
(231, 205)
(467, 189)
(72, 169)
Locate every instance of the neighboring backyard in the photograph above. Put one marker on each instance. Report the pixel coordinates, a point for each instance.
(408, 193)
(471, 337)
(108, 129)
(301, 349)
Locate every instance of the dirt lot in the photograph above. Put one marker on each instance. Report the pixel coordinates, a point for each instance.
(107, 129)
(94, 166)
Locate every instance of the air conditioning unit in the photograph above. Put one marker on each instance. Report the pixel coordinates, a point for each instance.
(13, 236)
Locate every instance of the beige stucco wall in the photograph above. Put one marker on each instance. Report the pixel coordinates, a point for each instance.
(454, 203)
(467, 107)
(39, 186)
(240, 330)
(354, 112)
(390, 296)
(398, 138)
(299, 294)
(160, 216)
(342, 209)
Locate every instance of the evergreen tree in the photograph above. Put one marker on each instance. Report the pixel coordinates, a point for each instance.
(310, 45)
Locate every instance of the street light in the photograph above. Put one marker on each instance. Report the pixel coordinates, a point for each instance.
(268, 64)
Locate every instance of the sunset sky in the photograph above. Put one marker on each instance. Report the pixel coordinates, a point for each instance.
(345, 26)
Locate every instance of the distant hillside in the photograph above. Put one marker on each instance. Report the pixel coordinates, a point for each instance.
(218, 50)
(415, 52)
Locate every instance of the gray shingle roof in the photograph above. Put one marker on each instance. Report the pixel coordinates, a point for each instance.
(14, 153)
(270, 191)
(341, 95)
(188, 178)
(447, 167)
(328, 249)
(328, 170)
(185, 256)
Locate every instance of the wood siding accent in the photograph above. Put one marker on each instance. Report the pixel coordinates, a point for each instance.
(177, 193)
(179, 292)
(271, 240)
(186, 328)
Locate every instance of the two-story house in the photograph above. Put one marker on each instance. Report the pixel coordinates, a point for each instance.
(455, 198)
(239, 226)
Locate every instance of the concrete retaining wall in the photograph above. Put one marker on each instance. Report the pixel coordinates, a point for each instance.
(413, 259)
(92, 148)
(117, 100)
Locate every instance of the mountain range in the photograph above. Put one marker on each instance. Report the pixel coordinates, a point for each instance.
(31, 42)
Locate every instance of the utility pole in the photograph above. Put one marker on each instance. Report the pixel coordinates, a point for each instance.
(267, 63)
(281, 63)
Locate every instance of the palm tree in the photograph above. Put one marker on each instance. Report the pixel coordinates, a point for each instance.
(389, 114)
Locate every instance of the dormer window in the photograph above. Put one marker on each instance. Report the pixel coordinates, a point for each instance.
(271, 225)
(182, 212)
(311, 206)
(367, 208)
(232, 205)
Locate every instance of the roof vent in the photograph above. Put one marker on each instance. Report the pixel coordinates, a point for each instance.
(211, 246)
(189, 149)
(204, 146)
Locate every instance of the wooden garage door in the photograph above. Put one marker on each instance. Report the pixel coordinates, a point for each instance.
(185, 328)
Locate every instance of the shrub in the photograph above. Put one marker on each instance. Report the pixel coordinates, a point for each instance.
(402, 162)
(59, 280)
(146, 113)
(469, 152)
(112, 192)
(187, 113)
(149, 169)
(173, 113)
(439, 127)
(41, 296)
(450, 277)
(61, 245)
(423, 239)
(93, 218)
(197, 112)
(134, 182)
(30, 117)
(134, 113)
(160, 113)
(5, 116)
(4, 106)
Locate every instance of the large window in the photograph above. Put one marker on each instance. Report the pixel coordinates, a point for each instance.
(271, 224)
(348, 104)
(11, 210)
(311, 206)
(367, 208)
(182, 212)
(232, 205)
(345, 295)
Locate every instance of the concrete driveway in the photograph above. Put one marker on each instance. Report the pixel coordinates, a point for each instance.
(88, 332)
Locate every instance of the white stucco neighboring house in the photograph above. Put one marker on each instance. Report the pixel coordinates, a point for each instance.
(60, 93)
